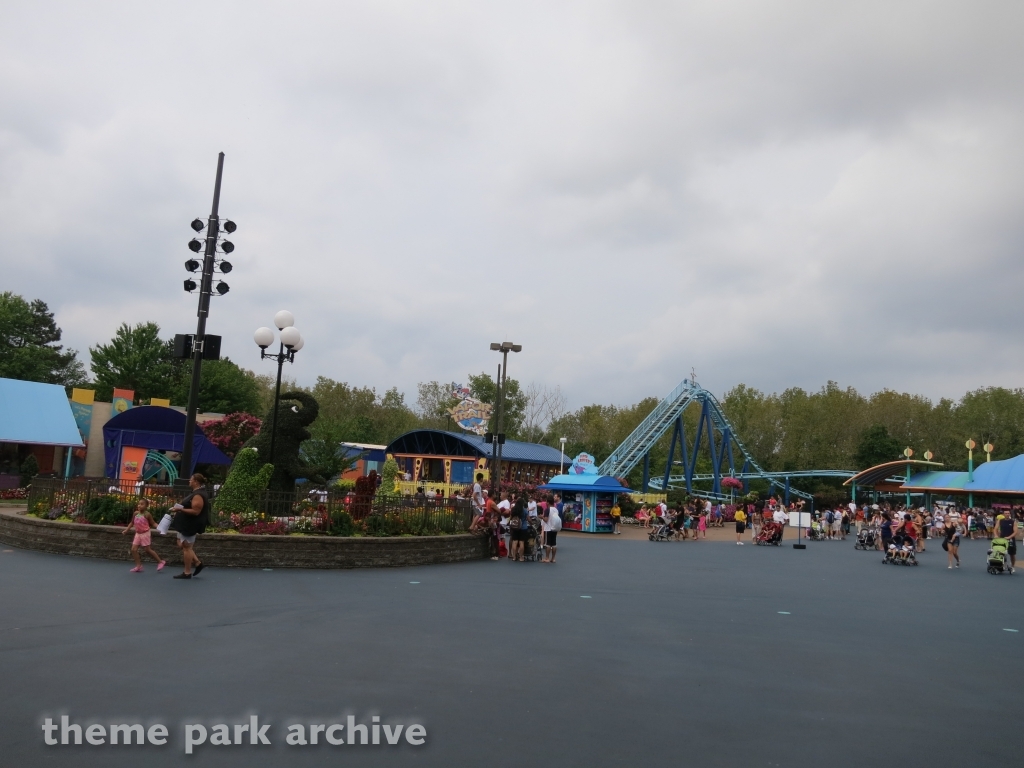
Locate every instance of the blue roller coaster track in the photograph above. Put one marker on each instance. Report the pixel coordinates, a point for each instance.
(721, 441)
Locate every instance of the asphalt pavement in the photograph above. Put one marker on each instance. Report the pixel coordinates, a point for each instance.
(625, 652)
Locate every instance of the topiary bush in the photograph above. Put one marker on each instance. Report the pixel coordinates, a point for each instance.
(389, 478)
(247, 479)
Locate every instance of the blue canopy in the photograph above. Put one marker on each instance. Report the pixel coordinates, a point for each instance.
(158, 428)
(584, 483)
(998, 477)
(36, 413)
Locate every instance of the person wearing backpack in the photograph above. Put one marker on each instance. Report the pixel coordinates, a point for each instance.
(830, 518)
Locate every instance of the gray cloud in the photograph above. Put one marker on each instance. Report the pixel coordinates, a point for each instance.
(775, 193)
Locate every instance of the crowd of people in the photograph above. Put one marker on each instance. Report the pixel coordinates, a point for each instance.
(519, 526)
(899, 526)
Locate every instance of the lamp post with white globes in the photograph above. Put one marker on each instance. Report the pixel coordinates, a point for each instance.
(291, 342)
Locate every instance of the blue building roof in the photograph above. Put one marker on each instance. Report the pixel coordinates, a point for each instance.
(581, 483)
(36, 413)
(437, 442)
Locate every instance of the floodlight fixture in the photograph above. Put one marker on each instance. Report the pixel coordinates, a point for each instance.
(195, 245)
(230, 226)
(190, 285)
(225, 267)
(192, 265)
(227, 246)
(223, 287)
(198, 225)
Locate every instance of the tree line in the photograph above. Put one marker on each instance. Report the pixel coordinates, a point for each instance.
(832, 428)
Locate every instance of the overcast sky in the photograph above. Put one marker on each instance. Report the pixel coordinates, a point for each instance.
(774, 193)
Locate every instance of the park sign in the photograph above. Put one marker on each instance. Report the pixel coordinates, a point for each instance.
(583, 464)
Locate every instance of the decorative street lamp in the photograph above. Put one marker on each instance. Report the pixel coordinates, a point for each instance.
(291, 342)
(988, 451)
(970, 445)
(561, 458)
(504, 347)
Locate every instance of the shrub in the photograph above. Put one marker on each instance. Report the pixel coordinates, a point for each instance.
(345, 486)
(342, 523)
(29, 469)
(109, 510)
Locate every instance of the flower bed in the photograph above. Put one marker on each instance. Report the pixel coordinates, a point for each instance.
(317, 513)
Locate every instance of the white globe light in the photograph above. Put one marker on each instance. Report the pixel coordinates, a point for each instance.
(263, 337)
(299, 346)
(290, 336)
(284, 319)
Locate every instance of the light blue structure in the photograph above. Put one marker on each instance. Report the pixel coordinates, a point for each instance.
(722, 443)
(589, 498)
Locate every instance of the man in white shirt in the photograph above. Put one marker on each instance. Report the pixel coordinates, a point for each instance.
(531, 507)
(780, 516)
(478, 495)
(505, 506)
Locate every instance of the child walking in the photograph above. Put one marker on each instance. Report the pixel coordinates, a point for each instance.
(141, 523)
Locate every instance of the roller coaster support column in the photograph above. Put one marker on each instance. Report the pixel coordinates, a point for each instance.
(785, 499)
(647, 471)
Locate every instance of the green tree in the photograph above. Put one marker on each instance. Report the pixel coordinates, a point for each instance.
(484, 389)
(876, 446)
(358, 415)
(28, 344)
(223, 387)
(433, 401)
(137, 359)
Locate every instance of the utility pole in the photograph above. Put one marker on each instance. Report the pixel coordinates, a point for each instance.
(205, 289)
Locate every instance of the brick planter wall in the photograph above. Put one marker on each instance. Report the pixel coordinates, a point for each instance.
(240, 551)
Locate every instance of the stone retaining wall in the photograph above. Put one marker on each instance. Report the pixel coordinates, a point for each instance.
(241, 551)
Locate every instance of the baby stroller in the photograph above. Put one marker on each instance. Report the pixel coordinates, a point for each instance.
(662, 531)
(816, 532)
(901, 552)
(771, 534)
(533, 546)
(998, 557)
(865, 539)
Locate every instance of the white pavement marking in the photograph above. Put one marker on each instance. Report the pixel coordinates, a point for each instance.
(414, 582)
(1010, 630)
(587, 597)
(784, 613)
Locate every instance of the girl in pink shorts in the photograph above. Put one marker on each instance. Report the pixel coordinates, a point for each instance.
(702, 526)
(142, 522)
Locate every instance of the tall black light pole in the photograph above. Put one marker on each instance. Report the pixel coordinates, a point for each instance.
(504, 347)
(291, 342)
(205, 291)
